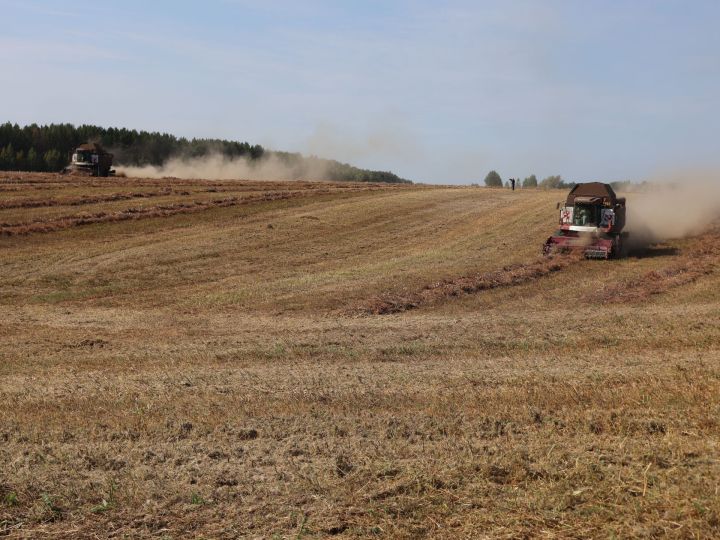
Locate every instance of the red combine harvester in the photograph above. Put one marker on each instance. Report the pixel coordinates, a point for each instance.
(591, 220)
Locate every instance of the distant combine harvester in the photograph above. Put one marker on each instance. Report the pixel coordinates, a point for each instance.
(90, 159)
(592, 221)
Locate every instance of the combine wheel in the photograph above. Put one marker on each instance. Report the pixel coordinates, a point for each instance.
(619, 249)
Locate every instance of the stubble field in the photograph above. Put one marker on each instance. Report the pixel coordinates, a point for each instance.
(234, 359)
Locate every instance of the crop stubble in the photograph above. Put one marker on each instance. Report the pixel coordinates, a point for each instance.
(211, 374)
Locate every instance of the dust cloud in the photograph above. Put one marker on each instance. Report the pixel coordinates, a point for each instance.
(673, 208)
(218, 167)
(387, 141)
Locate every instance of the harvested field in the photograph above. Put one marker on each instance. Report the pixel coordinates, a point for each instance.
(701, 257)
(447, 288)
(306, 359)
(77, 201)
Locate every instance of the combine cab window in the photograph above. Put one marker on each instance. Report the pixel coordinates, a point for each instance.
(585, 215)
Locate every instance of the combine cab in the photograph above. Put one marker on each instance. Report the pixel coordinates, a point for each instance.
(92, 160)
(591, 220)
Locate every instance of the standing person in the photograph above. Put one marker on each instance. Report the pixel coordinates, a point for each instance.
(512, 184)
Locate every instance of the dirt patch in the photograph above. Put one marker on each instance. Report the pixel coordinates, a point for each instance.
(439, 291)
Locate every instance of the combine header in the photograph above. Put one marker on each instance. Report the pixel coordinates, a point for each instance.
(90, 159)
(591, 220)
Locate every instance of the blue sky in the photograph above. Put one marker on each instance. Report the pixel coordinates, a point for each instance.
(435, 91)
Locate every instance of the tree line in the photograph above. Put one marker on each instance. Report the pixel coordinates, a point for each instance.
(49, 147)
(493, 179)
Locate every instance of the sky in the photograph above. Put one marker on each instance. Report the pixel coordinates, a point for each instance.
(437, 92)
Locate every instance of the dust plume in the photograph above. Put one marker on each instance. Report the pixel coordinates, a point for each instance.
(387, 141)
(218, 167)
(673, 208)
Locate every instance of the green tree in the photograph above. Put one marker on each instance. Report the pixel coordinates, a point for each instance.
(7, 157)
(53, 160)
(20, 164)
(34, 161)
(493, 179)
(530, 181)
(33, 147)
(552, 182)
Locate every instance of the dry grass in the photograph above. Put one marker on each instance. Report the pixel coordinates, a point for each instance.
(206, 374)
(699, 259)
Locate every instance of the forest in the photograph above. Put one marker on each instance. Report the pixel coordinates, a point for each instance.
(47, 148)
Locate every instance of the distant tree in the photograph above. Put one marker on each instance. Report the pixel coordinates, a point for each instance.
(552, 182)
(493, 179)
(7, 157)
(20, 164)
(257, 151)
(37, 147)
(622, 185)
(530, 182)
(53, 160)
(34, 161)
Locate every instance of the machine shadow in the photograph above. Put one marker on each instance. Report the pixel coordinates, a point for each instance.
(651, 252)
